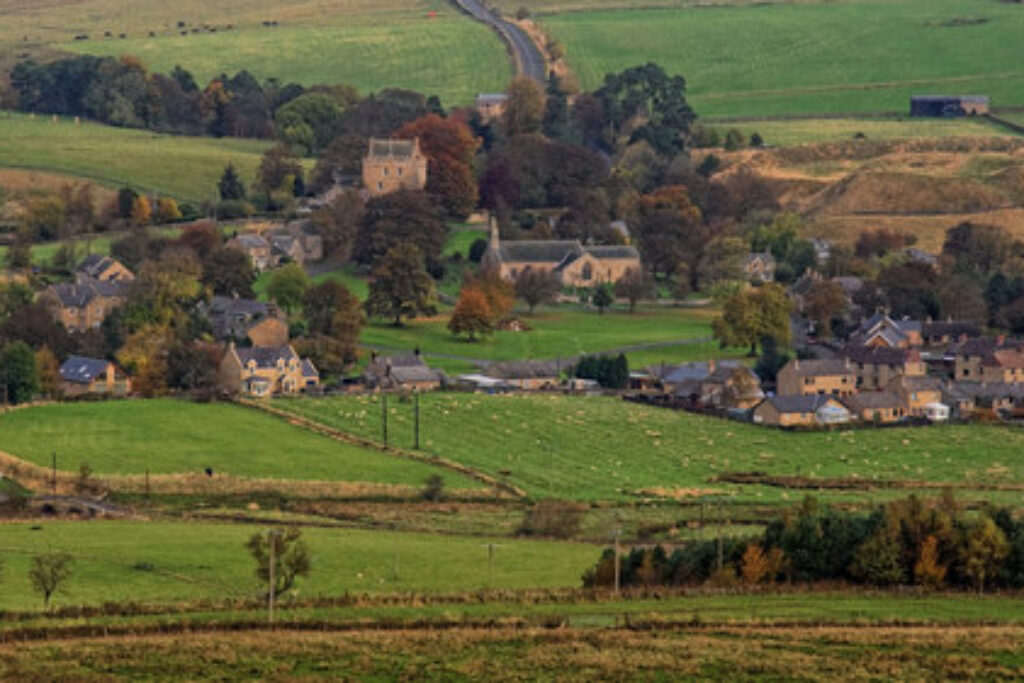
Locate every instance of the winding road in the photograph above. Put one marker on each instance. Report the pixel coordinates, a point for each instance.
(527, 59)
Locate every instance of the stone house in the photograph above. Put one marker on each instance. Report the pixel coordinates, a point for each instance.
(85, 304)
(102, 268)
(987, 359)
(801, 411)
(405, 372)
(883, 407)
(944, 332)
(877, 366)
(917, 393)
(881, 330)
(393, 165)
(236, 319)
(260, 372)
(969, 397)
(256, 247)
(81, 376)
(298, 242)
(760, 267)
(491, 106)
(817, 377)
(573, 263)
(732, 387)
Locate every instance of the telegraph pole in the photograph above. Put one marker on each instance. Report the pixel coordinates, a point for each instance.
(417, 442)
(720, 558)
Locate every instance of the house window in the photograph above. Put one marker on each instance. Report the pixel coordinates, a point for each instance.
(588, 272)
(380, 186)
(384, 171)
(399, 171)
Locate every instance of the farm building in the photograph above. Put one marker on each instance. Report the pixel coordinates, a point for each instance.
(80, 376)
(948, 106)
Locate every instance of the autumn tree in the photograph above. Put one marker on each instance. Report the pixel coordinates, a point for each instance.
(400, 286)
(291, 557)
(338, 223)
(167, 211)
(287, 286)
(48, 372)
(537, 286)
(824, 303)
(750, 316)
(634, 285)
(929, 571)
(449, 146)
(670, 233)
(202, 237)
(144, 357)
(499, 292)
(47, 572)
(142, 212)
(229, 272)
(472, 315)
(524, 109)
(754, 567)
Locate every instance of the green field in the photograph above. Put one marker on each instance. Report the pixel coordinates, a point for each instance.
(42, 254)
(174, 437)
(561, 331)
(397, 45)
(606, 449)
(183, 167)
(808, 57)
(175, 562)
(799, 132)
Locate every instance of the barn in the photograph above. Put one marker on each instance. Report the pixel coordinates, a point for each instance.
(948, 105)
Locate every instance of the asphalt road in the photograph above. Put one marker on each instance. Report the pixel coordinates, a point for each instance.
(526, 58)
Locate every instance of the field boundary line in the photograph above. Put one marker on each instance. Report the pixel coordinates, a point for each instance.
(345, 437)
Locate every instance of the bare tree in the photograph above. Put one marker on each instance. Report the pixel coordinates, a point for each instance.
(536, 286)
(48, 572)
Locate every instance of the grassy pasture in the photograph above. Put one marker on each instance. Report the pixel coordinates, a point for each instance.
(556, 331)
(186, 168)
(787, 133)
(605, 449)
(398, 44)
(191, 561)
(174, 437)
(763, 60)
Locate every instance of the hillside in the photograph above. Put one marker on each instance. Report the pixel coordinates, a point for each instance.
(424, 45)
(183, 167)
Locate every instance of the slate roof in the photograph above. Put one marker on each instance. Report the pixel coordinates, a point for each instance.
(523, 369)
(873, 400)
(613, 251)
(919, 383)
(538, 251)
(949, 328)
(820, 367)
(984, 391)
(415, 373)
(1005, 358)
(232, 317)
(799, 404)
(392, 149)
(873, 355)
(79, 295)
(850, 284)
(491, 98)
(252, 241)
(308, 369)
(94, 264)
(82, 370)
(266, 356)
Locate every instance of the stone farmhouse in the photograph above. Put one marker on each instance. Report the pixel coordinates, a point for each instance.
(881, 407)
(405, 372)
(834, 377)
(986, 359)
(260, 372)
(295, 243)
(573, 263)
(526, 374)
(393, 165)
(85, 304)
(81, 376)
(801, 411)
(235, 319)
(877, 366)
(256, 247)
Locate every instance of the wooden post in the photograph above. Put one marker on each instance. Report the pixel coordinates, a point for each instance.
(618, 565)
(384, 416)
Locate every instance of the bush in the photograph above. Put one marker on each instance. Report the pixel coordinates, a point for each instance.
(235, 208)
(477, 250)
(433, 488)
(553, 519)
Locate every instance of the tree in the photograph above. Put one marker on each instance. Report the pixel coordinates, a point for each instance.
(144, 355)
(48, 572)
(449, 146)
(19, 254)
(552, 519)
(201, 237)
(929, 570)
(754, 568)
(649, 104)
(722, 261)
(126, 197)
(748, 317)
(280, 176)
(310, 121)
(499, 292)
(635, 285)
(524, 109)
(141, 211)
(670, 232)
(977, 249)
(824, 303)
(230, 185)
(983, 549)
(535, 286)
(472, 314)
(433, 488)
(880, 242)
(733, 139)
(19, 378)
(962, 298)
(334, 317)
(45, 217)
(611, 372)
(338, 223)
(287, 286)
(878, 560)
(343, 157)
(400, 287)
(406, 217)
(291, 557)
(167, 210)
(602, 298)
(48, 372)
